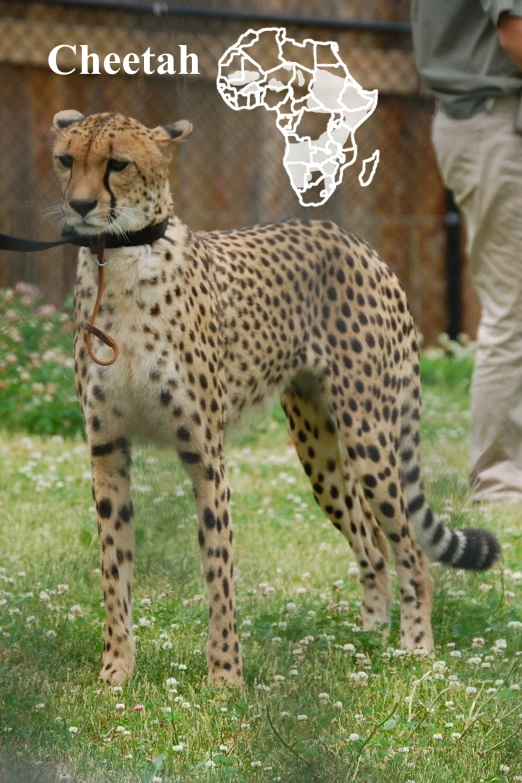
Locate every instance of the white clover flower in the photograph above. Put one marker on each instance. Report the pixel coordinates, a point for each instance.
(119, 706)
(456, 735)
(40, 706)
(178, 748)
(439, 666)
(166, 646)
(437, 736)
(285, 714)
(279, 678)
(223, 748)
(404, 750)
(256, 763)
(73, 729)
(486, 665)
(504, 768)
(182, 667)
(302, 717)
(500, 644)
(474, 660)
(323, 696)
(354, 738)
(117, 689)
(348, 647)
(293, 672)
(276, 639)
(62, 589)
(291, 607)
(297, 651)
(338, 705)
(470, 690)
(515, 625)
(455, 654)
(210, 764)
(478, 641)
(514, 687)
(157, 779)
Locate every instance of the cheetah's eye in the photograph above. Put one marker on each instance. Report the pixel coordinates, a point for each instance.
(117, 165)
(66, 161)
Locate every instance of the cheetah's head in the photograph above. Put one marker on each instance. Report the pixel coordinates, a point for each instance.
(113, 171)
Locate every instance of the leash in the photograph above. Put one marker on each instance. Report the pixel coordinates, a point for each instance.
(97, 245)
(98, 249)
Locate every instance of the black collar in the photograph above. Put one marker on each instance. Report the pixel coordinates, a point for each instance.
(146, 236)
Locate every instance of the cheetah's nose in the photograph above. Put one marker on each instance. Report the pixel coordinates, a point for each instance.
(83, 206)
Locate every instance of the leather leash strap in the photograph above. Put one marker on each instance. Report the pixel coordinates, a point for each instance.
(97, 245)
(98, 249)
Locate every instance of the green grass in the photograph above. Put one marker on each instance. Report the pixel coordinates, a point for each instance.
(298, 606)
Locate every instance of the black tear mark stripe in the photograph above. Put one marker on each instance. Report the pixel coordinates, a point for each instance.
(107, 188)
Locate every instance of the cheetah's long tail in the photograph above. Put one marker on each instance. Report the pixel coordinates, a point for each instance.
(471, 548)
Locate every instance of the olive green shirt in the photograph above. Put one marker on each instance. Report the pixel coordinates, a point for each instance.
(458, 53)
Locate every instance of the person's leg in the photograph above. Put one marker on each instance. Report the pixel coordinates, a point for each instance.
(481, 161)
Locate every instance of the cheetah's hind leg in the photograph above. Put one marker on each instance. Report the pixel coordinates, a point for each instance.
(339, 494)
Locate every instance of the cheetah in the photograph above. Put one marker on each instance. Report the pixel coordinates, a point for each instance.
(210, 324)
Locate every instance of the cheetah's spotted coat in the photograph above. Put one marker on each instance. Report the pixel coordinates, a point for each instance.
(209, 324)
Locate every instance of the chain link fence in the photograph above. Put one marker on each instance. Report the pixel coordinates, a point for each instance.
(230, 172)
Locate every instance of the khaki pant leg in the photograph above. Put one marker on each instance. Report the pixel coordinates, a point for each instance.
(481, 162)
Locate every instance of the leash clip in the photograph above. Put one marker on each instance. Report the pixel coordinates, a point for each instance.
(97, 248)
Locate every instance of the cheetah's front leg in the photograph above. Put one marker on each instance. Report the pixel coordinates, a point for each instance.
(111, 490)
(215, 541)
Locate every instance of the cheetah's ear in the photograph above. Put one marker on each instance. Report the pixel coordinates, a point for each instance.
(65, 118)
(175, 133)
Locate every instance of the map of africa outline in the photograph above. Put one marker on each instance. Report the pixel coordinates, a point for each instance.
(309, 162)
